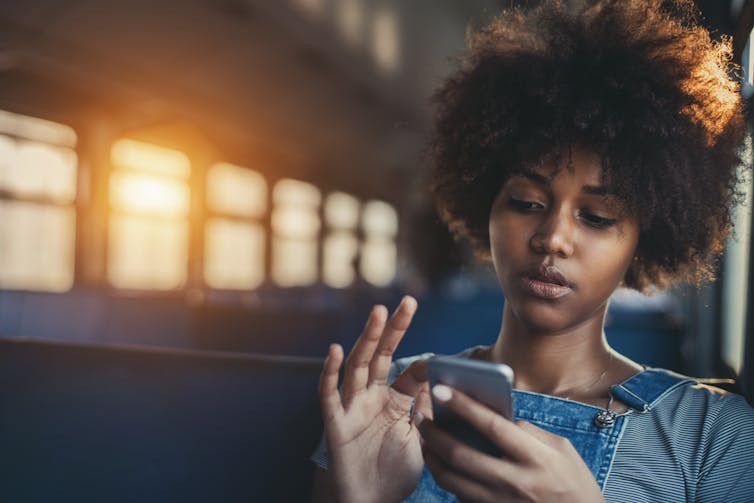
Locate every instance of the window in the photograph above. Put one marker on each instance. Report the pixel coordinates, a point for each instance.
(379, 254)
(737, 249)
(350, 16)
(386, 44)
(148, 226)
(295, 233)
(38, 175)
(311, 238)
(314, 8)
(735, 276)
(234, 241)
(341, 244)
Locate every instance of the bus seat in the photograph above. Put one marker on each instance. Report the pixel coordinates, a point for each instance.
(97, 423)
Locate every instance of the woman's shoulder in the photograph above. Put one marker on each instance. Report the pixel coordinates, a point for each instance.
(723, 413)
(687, 437)
(688, 393)
(717, 425)
(692, 409)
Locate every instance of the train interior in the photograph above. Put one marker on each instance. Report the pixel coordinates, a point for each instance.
(197, 197)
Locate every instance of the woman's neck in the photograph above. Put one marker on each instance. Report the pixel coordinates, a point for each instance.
(569, 363)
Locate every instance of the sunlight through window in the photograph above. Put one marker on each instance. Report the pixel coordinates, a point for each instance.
(234, 254)
(386, 45)
(735, 270)
(315, 8)
(295, 227)
(341, 211)
(379, 253)
(36, 129)
(380, 219)
(340, 250)
(150, 199)
(36, 246)
(148, 194)
(234, 240)
(31, 169)
(341, 245)
(38, 177)
(147, 253)
(141, 156)
(350, 17)
(236, 190)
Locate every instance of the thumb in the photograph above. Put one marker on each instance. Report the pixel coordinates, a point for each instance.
(423, 403)
(413, 379)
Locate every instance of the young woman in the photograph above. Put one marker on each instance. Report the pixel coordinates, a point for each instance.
(580, 150)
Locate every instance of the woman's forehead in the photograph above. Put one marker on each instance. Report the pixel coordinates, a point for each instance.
(580, 163)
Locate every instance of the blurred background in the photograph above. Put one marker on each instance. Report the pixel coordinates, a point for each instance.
(198, 196)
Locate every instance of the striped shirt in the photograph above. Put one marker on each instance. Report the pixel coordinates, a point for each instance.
(696, 444)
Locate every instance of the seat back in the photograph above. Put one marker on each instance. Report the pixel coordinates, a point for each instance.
(85, 423)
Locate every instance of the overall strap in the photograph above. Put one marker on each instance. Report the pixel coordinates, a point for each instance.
(642, 391)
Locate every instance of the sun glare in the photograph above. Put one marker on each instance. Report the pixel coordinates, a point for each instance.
(134, 154)
(148, 194)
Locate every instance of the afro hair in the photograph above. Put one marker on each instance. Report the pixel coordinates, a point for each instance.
(638, 82)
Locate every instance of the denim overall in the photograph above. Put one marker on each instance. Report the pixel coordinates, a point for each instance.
(576, 421)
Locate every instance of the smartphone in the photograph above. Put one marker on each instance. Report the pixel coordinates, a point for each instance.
(485, 382)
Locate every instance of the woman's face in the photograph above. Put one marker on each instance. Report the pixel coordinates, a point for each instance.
(560, 244)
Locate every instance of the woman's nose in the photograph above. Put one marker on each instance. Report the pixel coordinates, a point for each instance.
(554, 235)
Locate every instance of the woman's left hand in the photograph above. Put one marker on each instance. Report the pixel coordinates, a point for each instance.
(536, 465)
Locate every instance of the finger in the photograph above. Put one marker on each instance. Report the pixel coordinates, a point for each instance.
(464, 488)
(544, 436)
(456, 454)
(463, 468)
(356, 374)
(329, 397)
(423, 404)
(414, 379)
(513, 441)
(379, 367)
(438, 443)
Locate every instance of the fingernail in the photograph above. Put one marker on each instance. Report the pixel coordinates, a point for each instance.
(408, 301)
(441, 392)
(418, 418)
(372, 314)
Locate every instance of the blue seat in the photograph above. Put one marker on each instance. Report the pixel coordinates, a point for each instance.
(86, 423)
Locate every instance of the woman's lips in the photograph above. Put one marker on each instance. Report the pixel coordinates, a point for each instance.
(546, 282)
(544, 289)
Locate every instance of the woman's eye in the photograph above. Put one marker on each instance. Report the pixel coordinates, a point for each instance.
(597, 221)
(522, 205)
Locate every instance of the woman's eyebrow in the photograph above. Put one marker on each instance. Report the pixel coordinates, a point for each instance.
(535, 177)
(597, 190)
(539, 179)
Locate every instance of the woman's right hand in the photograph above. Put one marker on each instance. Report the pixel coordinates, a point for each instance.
(373, 446)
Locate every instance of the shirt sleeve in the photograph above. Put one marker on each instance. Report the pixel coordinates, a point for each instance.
(727, 471)
(319, 457)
